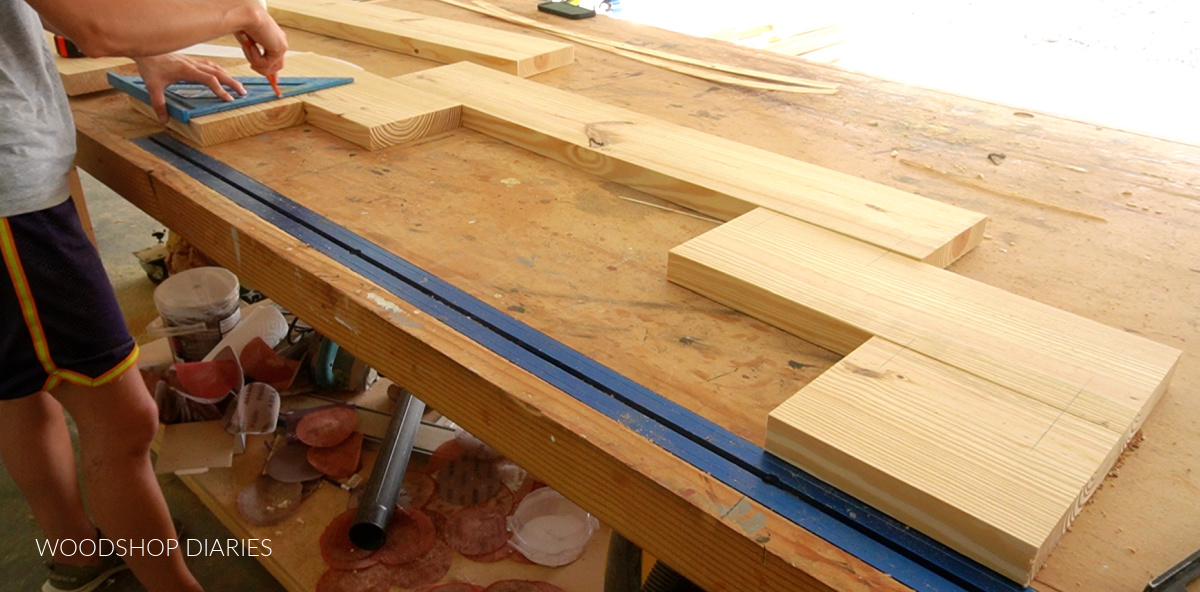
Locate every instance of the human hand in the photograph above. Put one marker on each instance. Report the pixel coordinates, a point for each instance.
(264, 44)
(159, 72)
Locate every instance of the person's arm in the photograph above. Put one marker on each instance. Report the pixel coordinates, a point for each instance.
(139, 28)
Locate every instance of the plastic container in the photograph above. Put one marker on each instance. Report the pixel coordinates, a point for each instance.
(549, 529)
(206, 296)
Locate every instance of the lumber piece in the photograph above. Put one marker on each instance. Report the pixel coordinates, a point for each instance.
(838, 292)
(227, 126)
(991, 473)
(373, 112)
(81, 76)
(436, 39)
(365, 112)
(702, 69)
(717, 177)
(955, 400)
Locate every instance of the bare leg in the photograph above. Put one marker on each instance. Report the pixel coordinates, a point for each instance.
(37, 450)
(116, 423)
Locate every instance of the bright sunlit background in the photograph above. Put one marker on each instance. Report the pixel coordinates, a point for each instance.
(1129, 64)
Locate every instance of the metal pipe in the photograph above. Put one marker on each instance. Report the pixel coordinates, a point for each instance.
(378, 500)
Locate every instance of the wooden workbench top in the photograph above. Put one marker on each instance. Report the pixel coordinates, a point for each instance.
(1096, 221)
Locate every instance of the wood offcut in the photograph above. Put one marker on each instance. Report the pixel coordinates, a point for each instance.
(436, 39)
(974, 415)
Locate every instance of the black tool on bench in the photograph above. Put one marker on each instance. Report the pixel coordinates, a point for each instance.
(378, 500)
(1177, 578)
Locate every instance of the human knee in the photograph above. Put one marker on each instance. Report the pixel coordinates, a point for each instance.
(136, 428)
(119, 417)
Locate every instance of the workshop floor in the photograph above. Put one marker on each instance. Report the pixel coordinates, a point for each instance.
(122, 229)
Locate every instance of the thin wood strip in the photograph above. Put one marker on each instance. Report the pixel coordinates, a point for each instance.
(663, 58)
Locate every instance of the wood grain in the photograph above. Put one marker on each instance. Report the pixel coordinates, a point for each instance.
(715, 176)
(427, 37)
(235, 124)
(837, 291)
(964, 361)
(373, 112)
(992, 473)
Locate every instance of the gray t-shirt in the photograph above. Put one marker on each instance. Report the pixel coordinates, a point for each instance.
(37, 135)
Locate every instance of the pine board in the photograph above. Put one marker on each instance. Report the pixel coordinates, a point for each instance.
(837, 292)
(718, 177)
(436, 39)
(963, 336)
(364, 112)
(368, 112)
(227, 126)
(992, 473)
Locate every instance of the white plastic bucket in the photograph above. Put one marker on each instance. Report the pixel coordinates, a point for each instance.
(203, 302)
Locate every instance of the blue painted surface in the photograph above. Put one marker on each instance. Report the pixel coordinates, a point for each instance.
(186, 100)
(886, 544)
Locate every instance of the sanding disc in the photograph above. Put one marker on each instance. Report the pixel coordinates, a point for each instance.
(477, 530)
(498, 555)
(260, 362)
(468, 480)
(341, 461)
(375, 578)
(454, 587)
(209, 382)
(255, 410)
(418, 489)
(336, 548)
(327, 427)
(267, 501)
(290, 463)
(409, 535)
(425, 570)
(514, 586)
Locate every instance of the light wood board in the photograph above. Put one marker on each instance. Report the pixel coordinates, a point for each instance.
(436, 39)
(718, 177)
(81, 76)
(840, 292)
(994, 474)
(235, 124)
(365, 112)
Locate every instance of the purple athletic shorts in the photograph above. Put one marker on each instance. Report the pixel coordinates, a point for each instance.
(59, 319)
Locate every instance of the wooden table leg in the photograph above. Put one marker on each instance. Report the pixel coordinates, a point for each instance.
(81, 205)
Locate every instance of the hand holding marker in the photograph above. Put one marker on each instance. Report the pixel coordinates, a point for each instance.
(250, 47)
